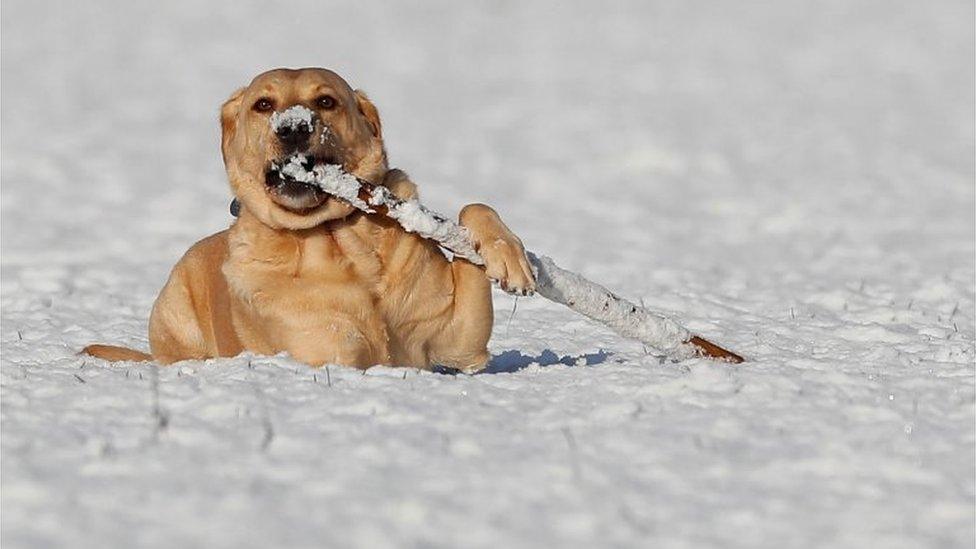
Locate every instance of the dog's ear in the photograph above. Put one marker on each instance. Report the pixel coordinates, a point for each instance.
(228, 119)
(368, 110)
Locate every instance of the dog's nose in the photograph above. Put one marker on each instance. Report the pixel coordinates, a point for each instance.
(294, 136)
(293, 126)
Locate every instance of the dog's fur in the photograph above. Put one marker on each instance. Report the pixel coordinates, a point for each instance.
(303, 273)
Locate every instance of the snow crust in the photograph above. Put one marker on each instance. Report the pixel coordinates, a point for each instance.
(793, 180)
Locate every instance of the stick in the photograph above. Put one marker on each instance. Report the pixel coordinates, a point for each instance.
(552, 282)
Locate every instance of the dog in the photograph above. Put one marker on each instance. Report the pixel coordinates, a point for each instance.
(303, 273)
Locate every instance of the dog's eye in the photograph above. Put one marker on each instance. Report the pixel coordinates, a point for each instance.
(263, 105)
(325, 102)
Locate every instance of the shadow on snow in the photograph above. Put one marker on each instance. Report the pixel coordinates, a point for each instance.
(514, 360)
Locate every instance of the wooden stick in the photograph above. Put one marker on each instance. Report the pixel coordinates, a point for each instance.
(552, 282)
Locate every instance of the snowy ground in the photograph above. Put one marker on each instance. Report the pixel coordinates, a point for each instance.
(793, 179)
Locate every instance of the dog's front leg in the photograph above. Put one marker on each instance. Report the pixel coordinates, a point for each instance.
(463, 345)
(502, 251)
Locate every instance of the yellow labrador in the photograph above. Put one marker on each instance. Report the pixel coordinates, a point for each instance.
(303, 273)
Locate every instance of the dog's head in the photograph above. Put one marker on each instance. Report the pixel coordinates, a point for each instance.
(308, 111)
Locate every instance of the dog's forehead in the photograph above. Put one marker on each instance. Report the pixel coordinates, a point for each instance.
(300, 78)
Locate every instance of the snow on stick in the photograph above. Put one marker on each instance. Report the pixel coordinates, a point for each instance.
(552, 282)
(600, 304)
(414, 217)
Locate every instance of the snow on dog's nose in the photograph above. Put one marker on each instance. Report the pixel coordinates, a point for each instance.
(293, 126)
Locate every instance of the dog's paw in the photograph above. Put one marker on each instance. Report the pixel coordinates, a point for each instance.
(504, 256)
(505, 263)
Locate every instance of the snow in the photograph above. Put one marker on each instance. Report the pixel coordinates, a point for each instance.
(292, 117)
(294, 168)
(792, 180)
(332, 179)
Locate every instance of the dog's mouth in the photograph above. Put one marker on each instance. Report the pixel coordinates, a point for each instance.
(290, 182)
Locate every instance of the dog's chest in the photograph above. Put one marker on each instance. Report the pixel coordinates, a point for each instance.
(343, 253)
(295, 269)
